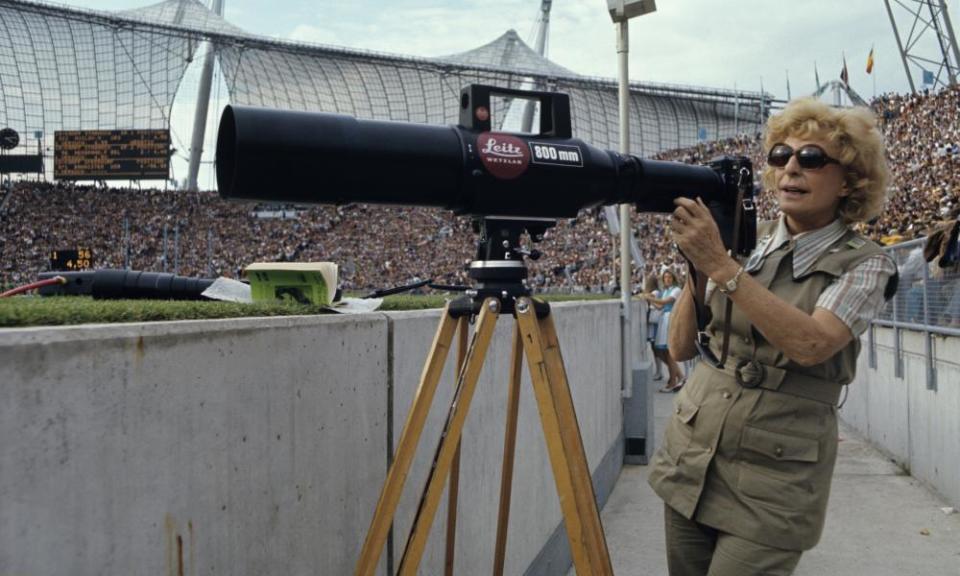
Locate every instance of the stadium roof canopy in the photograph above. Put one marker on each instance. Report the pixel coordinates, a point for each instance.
(508, 51)
(67, 68)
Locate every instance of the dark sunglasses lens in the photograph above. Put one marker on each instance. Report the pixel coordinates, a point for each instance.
(779, 155)
(811, 157)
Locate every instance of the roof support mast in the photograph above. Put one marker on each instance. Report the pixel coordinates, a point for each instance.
(541, 48)
(203, 105)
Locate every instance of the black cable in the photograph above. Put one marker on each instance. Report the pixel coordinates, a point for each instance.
(449, 287)
(398, 289)
(408, 287)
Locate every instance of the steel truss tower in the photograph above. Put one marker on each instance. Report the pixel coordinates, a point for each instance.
(925, 21)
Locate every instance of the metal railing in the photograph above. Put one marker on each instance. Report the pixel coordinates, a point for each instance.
(927, 301)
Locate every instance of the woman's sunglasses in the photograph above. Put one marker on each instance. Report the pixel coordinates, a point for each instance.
(809, 157)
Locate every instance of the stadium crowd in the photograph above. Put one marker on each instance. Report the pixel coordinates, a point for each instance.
(923, 143)
(199, 234)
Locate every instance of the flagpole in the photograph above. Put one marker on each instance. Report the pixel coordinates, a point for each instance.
(846, 79)
(736, 109)
(763, 100)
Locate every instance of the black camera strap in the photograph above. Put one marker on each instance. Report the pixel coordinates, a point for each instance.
(704, 316)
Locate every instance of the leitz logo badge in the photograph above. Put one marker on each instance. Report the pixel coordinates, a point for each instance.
(556, 154)
(504, 156)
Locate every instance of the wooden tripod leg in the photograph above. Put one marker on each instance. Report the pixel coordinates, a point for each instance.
(406, 448)
(509, 445)
(453, 491)
(573, 442)
(459, 407)
(562, 433)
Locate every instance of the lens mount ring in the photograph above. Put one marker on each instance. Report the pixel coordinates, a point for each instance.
(491, 264)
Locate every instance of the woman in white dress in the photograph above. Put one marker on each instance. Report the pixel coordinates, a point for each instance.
(664, 302)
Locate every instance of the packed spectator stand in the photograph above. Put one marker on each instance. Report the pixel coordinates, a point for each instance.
(200, 234)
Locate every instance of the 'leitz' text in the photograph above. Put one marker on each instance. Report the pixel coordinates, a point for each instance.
(502, 149)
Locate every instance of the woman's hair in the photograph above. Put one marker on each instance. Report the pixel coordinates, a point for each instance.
(663, 276)
(857, 143)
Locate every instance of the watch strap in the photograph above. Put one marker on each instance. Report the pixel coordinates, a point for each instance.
(731, 284)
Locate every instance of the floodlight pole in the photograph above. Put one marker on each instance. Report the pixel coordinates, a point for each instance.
(623, 51)
(621, 11)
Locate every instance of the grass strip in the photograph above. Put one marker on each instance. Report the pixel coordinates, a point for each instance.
(20, 311)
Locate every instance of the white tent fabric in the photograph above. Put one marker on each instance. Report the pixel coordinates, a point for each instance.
(65, 68)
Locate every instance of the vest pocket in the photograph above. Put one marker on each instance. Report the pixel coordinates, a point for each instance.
(779, 446)
(680, 428)
(779, 470)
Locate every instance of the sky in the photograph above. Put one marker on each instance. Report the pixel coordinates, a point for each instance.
(711, 43)
(714, 43)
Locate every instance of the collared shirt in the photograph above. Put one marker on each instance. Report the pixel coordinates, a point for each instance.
(856, 297)
(807, 245)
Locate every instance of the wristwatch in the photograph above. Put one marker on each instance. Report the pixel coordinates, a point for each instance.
(730, 285)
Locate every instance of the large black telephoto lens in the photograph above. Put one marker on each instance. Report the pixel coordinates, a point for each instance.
(303, 157)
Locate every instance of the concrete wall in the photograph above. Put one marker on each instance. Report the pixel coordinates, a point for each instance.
(213, 447)
(259, 446)
(918, 427)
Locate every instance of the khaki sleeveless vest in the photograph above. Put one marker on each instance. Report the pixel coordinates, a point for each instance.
(757, 461)
(776, 274)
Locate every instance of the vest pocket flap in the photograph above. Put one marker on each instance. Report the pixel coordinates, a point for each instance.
(685, 409)
(779, 446)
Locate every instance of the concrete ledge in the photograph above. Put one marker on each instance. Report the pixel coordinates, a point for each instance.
(201, 445)
(260, 445)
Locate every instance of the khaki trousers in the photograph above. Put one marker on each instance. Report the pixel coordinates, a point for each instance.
(697, 550)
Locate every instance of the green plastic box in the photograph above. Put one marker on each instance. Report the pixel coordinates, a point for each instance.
(305, 282)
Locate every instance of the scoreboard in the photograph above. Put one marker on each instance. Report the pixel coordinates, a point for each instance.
(111, 155)
(71, 259)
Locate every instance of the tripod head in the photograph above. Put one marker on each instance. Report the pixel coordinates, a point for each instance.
(499, 269)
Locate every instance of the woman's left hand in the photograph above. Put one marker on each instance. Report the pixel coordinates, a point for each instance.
(697, 235)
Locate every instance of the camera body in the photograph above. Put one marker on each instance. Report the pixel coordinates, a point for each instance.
(549, 174)
(734, 207)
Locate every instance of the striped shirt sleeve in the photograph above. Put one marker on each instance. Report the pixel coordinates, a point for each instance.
(856, 297)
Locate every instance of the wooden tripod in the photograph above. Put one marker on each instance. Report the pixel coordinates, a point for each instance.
(534, 334)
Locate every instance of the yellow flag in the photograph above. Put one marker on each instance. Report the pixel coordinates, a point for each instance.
(870, 61)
